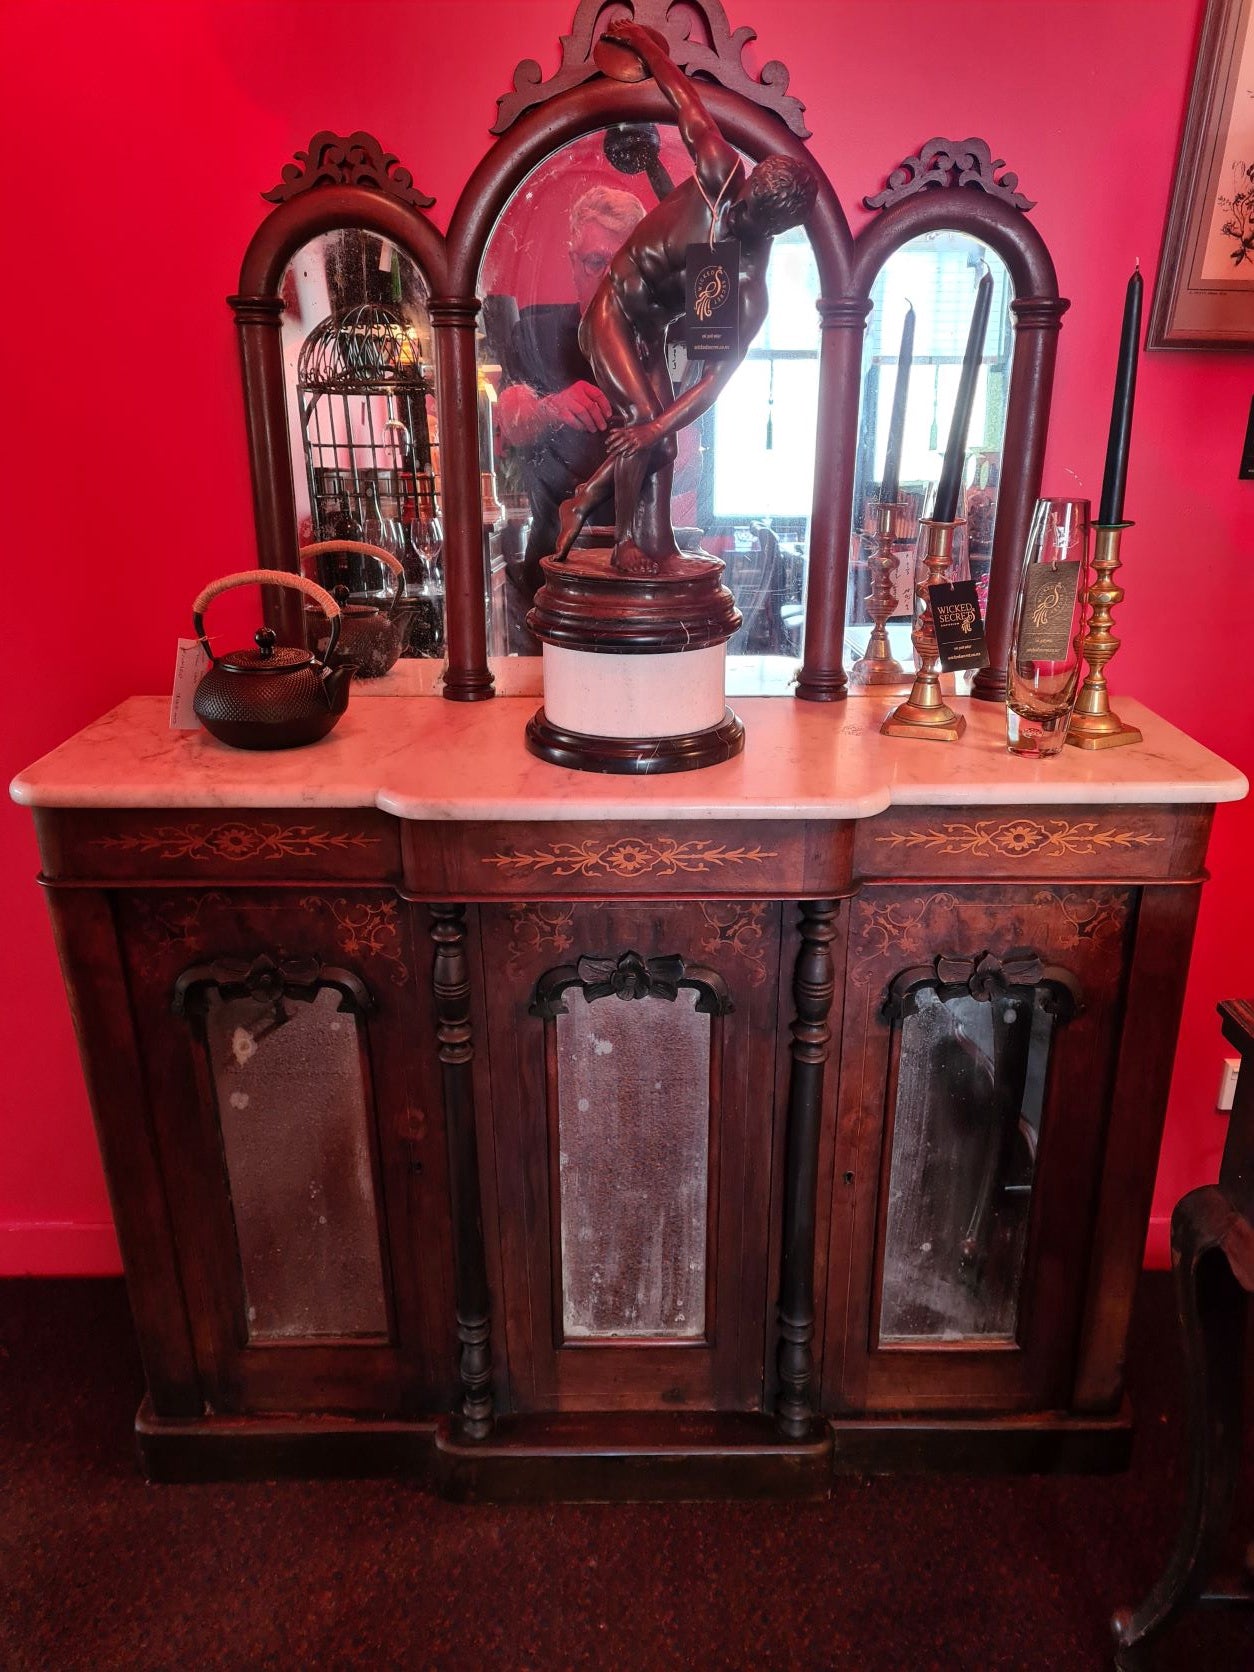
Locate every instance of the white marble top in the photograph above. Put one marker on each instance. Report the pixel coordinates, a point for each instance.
(420, 757)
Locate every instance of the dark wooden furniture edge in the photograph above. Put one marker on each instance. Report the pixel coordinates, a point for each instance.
(592, 1457)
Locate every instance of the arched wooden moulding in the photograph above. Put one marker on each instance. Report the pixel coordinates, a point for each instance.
(346, 183)
(975, 203)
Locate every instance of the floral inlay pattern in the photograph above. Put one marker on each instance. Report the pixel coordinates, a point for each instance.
(743, 928)
(1022, 838)
(536, 926)
(235, 841)
(373, 930)
(627, 857)
(176, 922)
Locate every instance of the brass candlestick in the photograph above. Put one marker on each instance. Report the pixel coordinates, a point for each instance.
(1093, 724)
(925, 712)
(877, 664)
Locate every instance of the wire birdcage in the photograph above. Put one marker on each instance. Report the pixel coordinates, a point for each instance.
(363, 387)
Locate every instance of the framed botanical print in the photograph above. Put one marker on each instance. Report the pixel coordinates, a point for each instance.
(1204, 297)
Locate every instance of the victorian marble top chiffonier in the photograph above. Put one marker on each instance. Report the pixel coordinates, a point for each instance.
(534, 1130)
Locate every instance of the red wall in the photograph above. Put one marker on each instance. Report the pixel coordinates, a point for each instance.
(141, 135)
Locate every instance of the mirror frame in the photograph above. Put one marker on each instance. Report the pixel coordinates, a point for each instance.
(952, 186)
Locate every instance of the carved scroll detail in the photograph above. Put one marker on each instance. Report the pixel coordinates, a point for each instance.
(630, 977)
(332, 159)
(721, 60)
(1022, 838)
(627, 856)
(970, 162)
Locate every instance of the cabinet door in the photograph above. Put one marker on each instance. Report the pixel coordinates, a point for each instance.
(980, 1036)
(633, 1086)
(301, 1137)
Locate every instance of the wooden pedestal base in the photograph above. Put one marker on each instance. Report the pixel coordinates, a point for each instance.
(635, 754)
(624, 1457)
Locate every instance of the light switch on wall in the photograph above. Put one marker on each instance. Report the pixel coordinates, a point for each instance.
(1228, 1084)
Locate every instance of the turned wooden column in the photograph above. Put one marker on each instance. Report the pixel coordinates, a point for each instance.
(1037, 323)
(814, 984)
(467, 677)
(258, 323)
(822, 677)
(451, 983)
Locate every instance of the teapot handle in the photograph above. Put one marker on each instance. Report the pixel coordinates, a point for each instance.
(267, 577)
(387, 558)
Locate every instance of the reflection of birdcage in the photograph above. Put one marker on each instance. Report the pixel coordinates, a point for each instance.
(363, 387)
(363, 404)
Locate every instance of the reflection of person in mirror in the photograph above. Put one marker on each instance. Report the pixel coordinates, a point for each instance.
(555, 416)
(642, 294)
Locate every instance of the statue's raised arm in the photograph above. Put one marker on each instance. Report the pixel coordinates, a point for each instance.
(642, 297)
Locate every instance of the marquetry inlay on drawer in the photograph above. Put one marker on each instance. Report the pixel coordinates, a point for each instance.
(227, 846)
(630, 857)
(1015, 843)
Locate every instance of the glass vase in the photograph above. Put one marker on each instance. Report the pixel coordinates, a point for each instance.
(1043, 673)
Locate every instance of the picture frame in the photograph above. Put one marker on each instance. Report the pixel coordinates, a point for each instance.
(1204, 295)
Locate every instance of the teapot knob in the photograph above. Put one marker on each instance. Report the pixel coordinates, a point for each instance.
(264, 638)
(341, 595)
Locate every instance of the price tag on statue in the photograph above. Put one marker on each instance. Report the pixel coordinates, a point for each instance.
(959, 626)
(712, 318)
(190, 666)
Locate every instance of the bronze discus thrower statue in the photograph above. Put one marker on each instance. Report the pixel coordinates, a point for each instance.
(623, 332)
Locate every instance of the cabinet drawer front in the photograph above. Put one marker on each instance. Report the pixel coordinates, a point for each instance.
(728, 859)
(980, 843)
(221, 845)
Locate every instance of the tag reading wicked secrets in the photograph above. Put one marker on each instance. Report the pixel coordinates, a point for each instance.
(712, 320)
(959, 629)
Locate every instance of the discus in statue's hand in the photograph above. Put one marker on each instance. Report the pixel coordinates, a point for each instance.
(621, 62)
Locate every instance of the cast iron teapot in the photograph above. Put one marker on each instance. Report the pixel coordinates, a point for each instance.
(277, 696)
(369, 637)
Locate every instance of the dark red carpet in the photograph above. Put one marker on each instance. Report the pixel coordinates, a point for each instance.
(99, 1570)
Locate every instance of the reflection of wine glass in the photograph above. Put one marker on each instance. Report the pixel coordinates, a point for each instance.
(1044, 665)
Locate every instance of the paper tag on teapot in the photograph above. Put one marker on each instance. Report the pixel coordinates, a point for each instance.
(190, 666)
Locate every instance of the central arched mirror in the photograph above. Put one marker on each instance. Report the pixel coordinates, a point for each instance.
(744, 476)
(922, 303)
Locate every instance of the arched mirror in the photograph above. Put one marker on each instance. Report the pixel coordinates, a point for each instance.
(743, 481)
(922, 303)
(359, 383)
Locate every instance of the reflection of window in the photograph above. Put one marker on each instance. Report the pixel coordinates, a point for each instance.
(938, 274)
(762, 428)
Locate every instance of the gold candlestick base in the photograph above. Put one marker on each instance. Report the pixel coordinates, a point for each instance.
(925, 713)
(1094, 725)
(877, 665)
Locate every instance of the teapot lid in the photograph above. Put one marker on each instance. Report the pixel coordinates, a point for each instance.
(268, 657)
(356, 608)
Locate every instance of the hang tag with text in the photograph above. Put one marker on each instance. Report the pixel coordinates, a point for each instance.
(712, 319)
(190, 665)
(1048, 618)
(959, 627)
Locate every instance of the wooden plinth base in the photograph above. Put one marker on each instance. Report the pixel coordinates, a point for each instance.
(635, 755)
(623, 1457)
(1049, 1444)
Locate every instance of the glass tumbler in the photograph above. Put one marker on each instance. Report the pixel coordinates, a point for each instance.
(1043, 674)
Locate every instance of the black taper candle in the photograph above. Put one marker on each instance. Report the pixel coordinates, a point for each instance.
(1116, 477)
(946, 505)
(891, 479)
